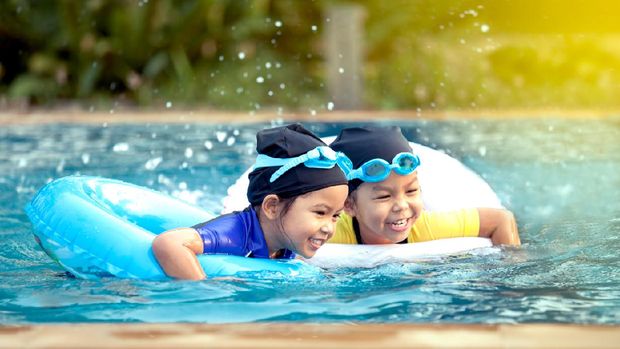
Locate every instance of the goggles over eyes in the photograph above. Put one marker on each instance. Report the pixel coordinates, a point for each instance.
(377, 170)
(319, 157)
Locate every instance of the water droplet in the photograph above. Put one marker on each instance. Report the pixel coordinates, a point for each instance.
(312, 112)
(268, 65)
(282, 86)
(341, 70)
(260, 79)
(462, 41)
(151, 164)
(120, 147)
(61, 166)
(330, 106)
(230, 141)
(239, 90)
(278, 24)
(482, 150)
(168, 104)
(314, 28)
(485, 28)
(189, 152)
(85, 158)
(22, 163)
(270, 93)
(241, 55)
(221, 135)
(208, 145)
(235, 132)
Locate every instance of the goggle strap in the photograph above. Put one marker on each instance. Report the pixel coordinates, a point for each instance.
(353, 174)
(263, 160)
(341, 161)
(287, 166)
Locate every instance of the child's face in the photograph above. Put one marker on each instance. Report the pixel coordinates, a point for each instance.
(310, 221)
(386, 210)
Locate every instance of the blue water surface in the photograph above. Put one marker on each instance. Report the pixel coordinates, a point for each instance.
(561, 178)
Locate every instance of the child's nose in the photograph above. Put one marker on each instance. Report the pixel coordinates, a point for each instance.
(400, 204)
(327, 228)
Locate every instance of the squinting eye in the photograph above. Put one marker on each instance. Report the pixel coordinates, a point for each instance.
(382, 197)
(320, 213)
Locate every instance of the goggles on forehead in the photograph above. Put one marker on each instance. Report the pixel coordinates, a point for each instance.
(377, 170)
(319, 157)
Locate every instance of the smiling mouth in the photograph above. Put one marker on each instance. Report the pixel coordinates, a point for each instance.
(399, 225)
(316, 243)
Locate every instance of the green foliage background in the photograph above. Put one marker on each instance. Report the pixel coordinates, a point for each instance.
(247, 55)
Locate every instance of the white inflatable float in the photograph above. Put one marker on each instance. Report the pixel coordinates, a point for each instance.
(446, 185)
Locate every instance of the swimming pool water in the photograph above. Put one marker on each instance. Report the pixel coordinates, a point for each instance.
(560, 177)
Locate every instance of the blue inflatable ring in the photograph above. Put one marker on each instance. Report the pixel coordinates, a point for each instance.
(98, 227)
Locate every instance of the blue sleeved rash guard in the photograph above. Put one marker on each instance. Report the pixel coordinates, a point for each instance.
(237, 233)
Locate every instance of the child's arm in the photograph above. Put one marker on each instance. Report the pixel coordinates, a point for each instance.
(498, 225)
(176, 252)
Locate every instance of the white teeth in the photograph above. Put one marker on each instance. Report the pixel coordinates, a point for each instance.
(400, 222)
(317, 242)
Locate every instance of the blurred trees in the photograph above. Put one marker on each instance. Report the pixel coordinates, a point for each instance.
(223, 53)
(248, 55)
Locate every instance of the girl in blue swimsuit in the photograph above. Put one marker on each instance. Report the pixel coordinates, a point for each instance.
(296, 192)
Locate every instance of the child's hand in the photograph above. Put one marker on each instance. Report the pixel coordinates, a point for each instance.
(498, 225)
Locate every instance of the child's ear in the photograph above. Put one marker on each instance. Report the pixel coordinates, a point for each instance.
(270, 206)
(349, 206)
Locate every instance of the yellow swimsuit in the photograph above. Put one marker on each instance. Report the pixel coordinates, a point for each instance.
(429, 226)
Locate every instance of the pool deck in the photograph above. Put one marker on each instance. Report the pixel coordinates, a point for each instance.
(297, 335)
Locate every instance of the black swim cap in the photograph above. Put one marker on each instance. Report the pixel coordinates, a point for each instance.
(287, 142)
(365, 143)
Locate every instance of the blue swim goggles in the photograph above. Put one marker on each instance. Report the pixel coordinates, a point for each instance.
(319, 157)
(377, 170)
